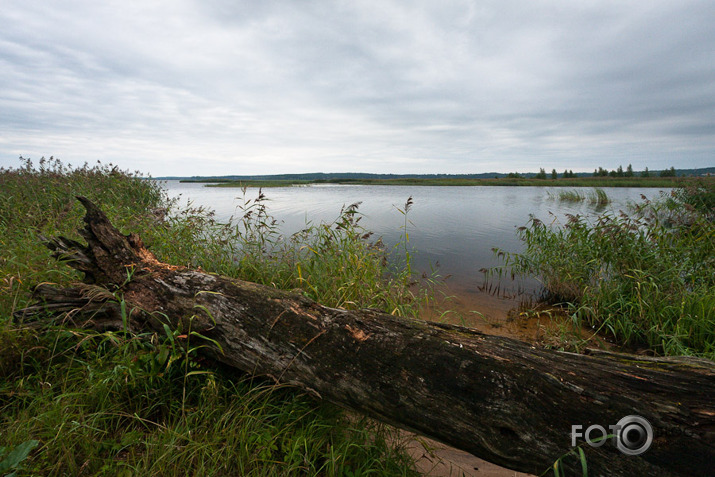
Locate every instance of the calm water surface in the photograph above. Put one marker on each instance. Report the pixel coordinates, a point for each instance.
(452, 229)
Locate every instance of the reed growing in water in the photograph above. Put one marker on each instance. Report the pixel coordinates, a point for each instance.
(644, 277)
(597, 197)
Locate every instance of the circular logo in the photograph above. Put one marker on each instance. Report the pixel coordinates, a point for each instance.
(634, 435)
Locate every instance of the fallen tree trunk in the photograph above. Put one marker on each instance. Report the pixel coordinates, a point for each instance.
(500, 399)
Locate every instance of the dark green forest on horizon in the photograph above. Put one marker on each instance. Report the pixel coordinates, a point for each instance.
(542, 174)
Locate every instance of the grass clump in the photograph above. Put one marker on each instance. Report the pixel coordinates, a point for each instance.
(115, 403)
(645, 277)
(597, 197)
(568, 196)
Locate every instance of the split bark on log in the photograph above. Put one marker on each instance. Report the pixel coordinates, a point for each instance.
(500, 399)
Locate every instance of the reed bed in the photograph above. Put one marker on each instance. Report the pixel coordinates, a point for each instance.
(644, 277)
(597, 197)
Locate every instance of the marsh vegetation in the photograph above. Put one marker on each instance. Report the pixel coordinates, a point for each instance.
(113, 403)
(644, 277)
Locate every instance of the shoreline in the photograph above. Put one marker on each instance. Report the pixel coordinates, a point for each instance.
(654, 182)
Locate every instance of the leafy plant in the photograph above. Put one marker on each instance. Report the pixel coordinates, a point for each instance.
(12, 459)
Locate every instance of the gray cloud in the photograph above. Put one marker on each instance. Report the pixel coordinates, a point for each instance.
(222, 87)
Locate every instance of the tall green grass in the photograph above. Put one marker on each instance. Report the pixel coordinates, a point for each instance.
(115, 403)
(644, 277)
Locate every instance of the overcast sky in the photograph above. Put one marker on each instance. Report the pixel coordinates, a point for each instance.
(181, 87)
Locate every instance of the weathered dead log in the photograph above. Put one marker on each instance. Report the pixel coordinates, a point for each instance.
(502, 400)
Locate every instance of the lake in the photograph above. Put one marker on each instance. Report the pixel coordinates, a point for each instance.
(451, 229)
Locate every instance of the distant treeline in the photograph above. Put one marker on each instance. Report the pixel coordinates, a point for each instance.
(618, 172)
(542, 174)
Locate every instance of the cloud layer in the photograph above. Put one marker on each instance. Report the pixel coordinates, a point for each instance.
(227, 87)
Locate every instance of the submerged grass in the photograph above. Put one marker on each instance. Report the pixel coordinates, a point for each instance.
(646, 277)
(113, 403)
